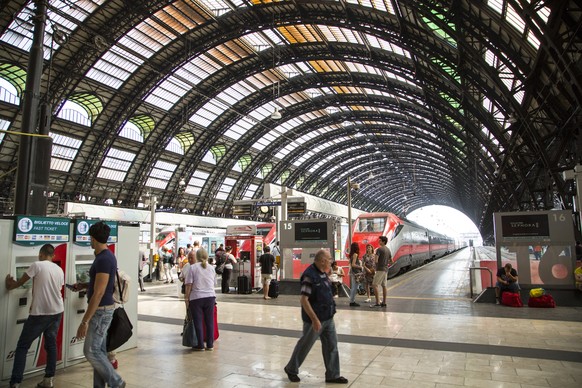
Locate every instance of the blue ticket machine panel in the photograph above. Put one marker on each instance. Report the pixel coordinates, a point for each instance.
(30, 233)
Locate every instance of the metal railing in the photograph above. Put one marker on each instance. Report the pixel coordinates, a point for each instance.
(471, 276)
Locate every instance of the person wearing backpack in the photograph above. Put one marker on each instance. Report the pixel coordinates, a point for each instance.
(228, 266)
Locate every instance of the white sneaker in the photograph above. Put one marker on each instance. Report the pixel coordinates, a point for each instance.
(47, 382)
(335, 296)
(368, 300)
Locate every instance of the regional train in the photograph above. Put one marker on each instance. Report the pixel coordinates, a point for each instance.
(411, 244)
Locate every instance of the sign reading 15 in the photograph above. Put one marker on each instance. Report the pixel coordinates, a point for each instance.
(288, 226)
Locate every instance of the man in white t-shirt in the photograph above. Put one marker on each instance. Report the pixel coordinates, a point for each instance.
(45, 316)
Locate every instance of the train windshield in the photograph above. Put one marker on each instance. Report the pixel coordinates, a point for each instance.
(374, 225)
(263, 231)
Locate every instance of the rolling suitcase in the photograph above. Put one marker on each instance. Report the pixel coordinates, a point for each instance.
(274, 289)
(243, 285)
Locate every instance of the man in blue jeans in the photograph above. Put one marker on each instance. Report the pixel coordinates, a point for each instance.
(99, 312)
(317, 311)
(45, 316)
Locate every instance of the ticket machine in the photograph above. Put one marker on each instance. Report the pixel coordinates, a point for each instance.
(26, 235)
(81, 259)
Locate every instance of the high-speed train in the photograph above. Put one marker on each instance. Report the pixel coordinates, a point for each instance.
(411, 244)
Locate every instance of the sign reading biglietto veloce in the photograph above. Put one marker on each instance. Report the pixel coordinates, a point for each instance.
(31, 230)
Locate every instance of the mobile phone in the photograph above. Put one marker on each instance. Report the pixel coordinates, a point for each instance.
(70, 287)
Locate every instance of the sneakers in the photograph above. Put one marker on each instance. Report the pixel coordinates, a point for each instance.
(198, 349)
(335, 296)
(337, 380)
(47, 382)
(497, 301)
(375, 305)
(292, 377)
(210, 349)
(354, 304)
(368, 300)
(383, 305)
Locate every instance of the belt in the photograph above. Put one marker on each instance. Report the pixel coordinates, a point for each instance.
(110, 307)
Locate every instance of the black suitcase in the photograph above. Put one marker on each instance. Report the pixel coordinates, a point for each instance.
(243, 285)
(274, 289)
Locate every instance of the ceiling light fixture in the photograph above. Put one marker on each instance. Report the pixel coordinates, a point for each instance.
(276, 115)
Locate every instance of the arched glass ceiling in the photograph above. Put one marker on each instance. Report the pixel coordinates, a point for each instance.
(449, 75)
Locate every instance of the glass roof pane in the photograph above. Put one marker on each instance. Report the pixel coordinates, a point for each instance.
(64, 151)
(208, 113)
(66, 15)
(250, 193)
(225, 189)
(4, 125)
(168, 92)
(114, 67)
(514, 19)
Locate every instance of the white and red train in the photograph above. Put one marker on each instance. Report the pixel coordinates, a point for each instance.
(411, 244)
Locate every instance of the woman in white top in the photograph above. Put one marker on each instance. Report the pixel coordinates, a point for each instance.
(200, 298)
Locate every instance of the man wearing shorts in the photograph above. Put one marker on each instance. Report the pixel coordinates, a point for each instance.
(383, 259)
(267, 261)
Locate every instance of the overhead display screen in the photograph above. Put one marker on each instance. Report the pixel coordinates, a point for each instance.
(313, 231)
(520, 226)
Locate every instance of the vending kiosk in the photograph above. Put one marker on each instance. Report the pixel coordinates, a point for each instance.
(81, 259)
(248, 260)
(28, 234)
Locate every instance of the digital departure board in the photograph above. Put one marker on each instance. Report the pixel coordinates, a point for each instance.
(313, 231)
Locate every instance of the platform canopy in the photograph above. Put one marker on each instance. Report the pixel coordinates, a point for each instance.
(463, 103)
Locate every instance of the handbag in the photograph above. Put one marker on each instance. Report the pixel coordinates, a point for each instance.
(120, 330)
(189, 336)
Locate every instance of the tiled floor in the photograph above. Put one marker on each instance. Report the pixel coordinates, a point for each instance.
(474, 345)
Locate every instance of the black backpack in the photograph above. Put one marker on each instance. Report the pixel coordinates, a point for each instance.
(220, 263)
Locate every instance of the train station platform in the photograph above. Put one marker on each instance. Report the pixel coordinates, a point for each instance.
(431, 334)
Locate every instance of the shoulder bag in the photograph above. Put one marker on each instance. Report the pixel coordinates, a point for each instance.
(121, 329)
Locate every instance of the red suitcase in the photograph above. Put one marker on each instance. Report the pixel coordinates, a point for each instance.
(216, 334)
(542, 301)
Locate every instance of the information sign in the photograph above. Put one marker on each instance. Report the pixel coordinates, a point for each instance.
(81, 232)
(32, 230)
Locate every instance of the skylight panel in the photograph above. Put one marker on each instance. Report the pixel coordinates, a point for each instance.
(218, 7)
(336, 34)
(203, 66)
(514, 19)
(161, 174)
(380, 5)
(209, 158)
(533, 40)
(131, 131)
(208, 113)
(283, 152)
(225, 189)
(175, 147)
(147, 38)
(257, 41)
(63, 152)
(168, 93)
(299, 161)
(250, 193)
(197, 182)
(20, 31)
(239, 128)
(4, 125)
(236, 92)
(114, 67)
(116, 165)
(265, 140)
(496, 5)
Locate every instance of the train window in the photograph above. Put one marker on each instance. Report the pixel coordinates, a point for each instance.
(374, 225)
(397, 231)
